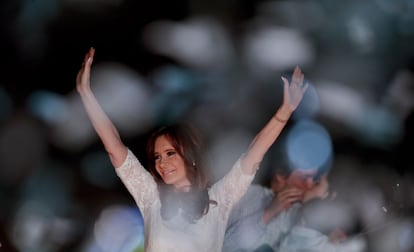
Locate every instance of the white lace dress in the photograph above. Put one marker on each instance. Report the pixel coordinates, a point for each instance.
(177, 234)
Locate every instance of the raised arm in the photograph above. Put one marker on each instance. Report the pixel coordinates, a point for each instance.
(102, 124)
(292, 95)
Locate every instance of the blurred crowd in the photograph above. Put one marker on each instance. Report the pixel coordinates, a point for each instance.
(216, 64)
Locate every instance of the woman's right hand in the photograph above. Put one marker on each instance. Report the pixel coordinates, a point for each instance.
(83, 77)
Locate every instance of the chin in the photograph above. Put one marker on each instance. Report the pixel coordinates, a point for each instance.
(168, 181)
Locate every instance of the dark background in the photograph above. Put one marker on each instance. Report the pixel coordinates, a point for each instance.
(50, 201)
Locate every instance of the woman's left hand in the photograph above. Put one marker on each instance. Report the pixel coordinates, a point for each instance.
(293, 92)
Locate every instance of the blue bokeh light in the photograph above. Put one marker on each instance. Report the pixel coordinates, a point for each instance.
(309, 146)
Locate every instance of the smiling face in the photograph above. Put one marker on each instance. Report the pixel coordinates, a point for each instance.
(169, 164)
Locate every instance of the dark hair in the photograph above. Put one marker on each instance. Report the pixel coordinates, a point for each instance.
(187, 142)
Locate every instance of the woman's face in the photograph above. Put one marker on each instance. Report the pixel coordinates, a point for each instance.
(169, 164)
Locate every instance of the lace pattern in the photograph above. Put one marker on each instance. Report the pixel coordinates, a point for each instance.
(138, 181)
(165, 236)
(228, 190)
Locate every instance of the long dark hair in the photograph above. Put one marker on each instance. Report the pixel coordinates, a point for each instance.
(186, 141)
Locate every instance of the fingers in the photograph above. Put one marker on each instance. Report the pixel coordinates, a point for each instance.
(285, 87)
(290, 195)
(84, 72)
(91, 54)
(85, 58)
(91, 51)
(87, 61)
(297, 77)
(89, 57)
(298, 80)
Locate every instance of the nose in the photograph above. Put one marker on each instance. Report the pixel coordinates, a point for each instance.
(161, 164)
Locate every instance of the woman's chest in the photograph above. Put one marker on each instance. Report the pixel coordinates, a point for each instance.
(178, 234)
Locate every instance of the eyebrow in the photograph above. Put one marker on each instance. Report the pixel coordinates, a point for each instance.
(169, 149)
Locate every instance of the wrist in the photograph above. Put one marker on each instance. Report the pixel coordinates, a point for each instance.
(282, 115)
(285, 110)
(84, 91)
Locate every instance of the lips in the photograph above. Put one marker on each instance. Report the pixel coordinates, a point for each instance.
(168, 173)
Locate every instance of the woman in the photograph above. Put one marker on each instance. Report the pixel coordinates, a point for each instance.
(172, 223)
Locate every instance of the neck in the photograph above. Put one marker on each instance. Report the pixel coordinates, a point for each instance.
(182, 188)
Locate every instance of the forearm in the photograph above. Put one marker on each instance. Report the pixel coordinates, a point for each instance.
(265, 138)
(103, 126)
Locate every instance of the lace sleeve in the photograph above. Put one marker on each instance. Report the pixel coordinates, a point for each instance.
(138, 181)
(228, 190)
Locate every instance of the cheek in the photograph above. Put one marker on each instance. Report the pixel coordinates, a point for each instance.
(179, 164)
(157, 168)
(181, 167)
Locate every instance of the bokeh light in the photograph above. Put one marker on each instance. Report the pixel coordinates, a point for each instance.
(119, 228)
(49, 107)
(200, 42)
(123, 94)
(309, 146)
(98, 171)
(216, 64)
(269, 49)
